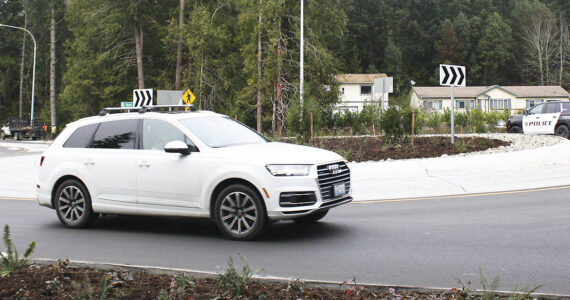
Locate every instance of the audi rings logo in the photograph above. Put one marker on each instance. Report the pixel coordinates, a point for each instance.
(334, 169)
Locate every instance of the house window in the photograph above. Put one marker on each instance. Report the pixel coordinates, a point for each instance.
(365, 89)
(500, 104)
(460, 104)
(345, 109)
(433, 105)
(532, 103)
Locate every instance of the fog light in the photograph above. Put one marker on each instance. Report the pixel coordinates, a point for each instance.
(293, 199)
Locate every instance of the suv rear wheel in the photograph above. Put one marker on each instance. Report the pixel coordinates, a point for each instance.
(239, 213)
(562, 131)
(73, 204)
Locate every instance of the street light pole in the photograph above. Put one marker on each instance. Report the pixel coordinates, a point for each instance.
(33, 71)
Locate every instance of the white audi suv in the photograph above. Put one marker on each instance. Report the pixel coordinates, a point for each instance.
(187, 163)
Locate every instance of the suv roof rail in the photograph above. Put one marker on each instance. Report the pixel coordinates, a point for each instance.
(144, 109)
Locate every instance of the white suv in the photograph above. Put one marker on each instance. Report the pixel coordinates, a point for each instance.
(193, 164)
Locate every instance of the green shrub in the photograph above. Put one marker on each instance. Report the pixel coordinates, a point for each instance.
(10, 261)
(461, 120)
(477, 120)
(232, 280)
(433, 120)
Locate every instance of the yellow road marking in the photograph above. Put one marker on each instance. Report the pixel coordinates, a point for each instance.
(17, 198)
(462, 196)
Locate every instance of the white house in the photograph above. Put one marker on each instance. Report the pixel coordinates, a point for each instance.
(357, 90)
(487, 98)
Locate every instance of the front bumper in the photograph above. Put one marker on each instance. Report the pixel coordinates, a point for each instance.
(303, 211)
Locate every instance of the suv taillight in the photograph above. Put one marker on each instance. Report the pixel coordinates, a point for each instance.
(42, 160)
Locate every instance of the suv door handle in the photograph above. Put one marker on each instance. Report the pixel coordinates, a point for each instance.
(144, 164)
(89, 163)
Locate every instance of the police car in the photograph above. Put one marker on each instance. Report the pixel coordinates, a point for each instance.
(545, 118)
(187, 164)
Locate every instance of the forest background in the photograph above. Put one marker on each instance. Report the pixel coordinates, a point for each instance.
(241, 57)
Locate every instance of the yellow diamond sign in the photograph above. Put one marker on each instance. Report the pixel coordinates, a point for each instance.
(188, 97)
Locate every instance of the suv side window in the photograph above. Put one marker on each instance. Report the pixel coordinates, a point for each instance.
(552, 108)
(82, 136)
(116, 135)
(566, 105)
(158, 133)
(536, 110)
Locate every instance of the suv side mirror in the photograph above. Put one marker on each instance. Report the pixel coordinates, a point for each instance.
(177, 147)
(526, 112)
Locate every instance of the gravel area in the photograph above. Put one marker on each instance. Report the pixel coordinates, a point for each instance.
(518, 141)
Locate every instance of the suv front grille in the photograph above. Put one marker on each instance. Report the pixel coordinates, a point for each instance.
(331, 175)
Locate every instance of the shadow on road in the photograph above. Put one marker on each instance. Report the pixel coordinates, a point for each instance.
(206, 229)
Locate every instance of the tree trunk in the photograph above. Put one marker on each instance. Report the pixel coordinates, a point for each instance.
(279, 100)
(561, 52)
(21, 94)
(259, 61)
(137, 28)
(179, 46)
(52, 69)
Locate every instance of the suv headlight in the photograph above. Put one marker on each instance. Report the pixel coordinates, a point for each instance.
(288, 170)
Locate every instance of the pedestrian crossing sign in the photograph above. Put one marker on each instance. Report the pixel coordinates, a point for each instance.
(188, 97)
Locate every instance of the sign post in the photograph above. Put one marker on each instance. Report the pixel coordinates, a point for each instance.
(452, 76)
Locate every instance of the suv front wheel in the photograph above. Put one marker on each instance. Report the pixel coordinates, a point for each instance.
(73, 204)
(239, 213)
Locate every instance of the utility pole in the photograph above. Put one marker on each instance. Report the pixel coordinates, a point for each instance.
(34, 68)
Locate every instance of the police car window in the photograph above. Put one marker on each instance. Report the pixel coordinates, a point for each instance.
(536, 110)
(566, 105)
(116, 135)
(81, 138)
(158, 133)
(552, 108)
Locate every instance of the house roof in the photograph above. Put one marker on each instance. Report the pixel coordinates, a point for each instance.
(358, 78)
(476, 91)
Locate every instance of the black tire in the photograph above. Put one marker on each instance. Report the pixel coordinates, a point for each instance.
(2, 135)
(73, 204)
(562, 130)
(516, 129)
(16, 136)
(312, 218)
(240, 213)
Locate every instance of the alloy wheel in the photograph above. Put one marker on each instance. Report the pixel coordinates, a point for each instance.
(71, 204)
(238, 213)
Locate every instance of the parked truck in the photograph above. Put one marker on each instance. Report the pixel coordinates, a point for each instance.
(20, 129)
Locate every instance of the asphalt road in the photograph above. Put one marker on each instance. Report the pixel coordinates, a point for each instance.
(524, 238)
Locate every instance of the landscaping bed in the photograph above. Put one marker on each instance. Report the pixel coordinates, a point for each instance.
(61, 281)
(371, 148)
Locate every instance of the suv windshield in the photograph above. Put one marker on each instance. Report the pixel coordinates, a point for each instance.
(220, 132)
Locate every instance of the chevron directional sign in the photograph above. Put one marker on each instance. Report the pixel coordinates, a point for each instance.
(142, 97)
(452, 75)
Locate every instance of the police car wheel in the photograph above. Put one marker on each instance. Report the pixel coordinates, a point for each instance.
(562, 131)
(515, 129)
